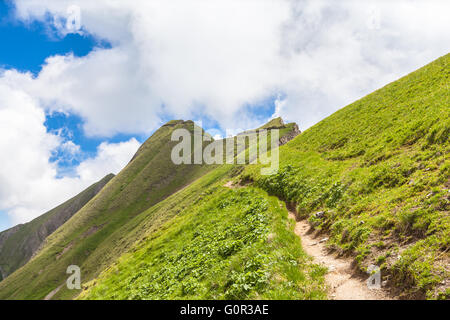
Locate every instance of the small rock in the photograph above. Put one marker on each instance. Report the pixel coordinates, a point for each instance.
(319, 214)
(399, 257)
(331, 268)
(323, 240)
(384, 283)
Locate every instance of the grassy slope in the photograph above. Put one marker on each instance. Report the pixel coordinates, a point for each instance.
(379, 168)
(102, 230)
(19, 247)
(221, 243)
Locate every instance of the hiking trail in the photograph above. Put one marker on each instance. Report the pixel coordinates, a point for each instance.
(342, 281)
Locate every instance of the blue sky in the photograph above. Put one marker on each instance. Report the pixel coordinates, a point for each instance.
(25, 46)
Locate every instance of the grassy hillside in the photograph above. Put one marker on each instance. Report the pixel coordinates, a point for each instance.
(126, 211)
(97, 234)
(222, 244)
(379, 169)
(19, 244)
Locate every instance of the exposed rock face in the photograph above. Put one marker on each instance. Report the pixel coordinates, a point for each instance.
(291, 135)
(20, 243)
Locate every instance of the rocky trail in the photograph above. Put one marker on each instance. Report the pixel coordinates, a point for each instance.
(342, 280)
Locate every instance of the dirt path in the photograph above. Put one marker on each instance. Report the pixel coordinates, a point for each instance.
(51, 294)
(341, 279)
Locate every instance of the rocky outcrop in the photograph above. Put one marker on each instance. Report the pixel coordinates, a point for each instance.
(291, 135)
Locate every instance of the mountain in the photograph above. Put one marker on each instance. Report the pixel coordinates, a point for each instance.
(109, 224)
(20, 243)
(373, 178)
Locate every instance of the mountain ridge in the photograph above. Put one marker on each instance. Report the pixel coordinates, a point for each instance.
(20, 243)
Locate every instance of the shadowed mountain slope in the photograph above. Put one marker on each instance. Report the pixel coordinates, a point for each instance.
(20, 243)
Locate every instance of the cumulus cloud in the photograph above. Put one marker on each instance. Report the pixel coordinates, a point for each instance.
(28, 180)
(213, 58)
(110, 158)
(194, 59)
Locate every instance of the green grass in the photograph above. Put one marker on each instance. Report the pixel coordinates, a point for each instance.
(233, 244)
(117, 218)
(379, 168)
(99, 233)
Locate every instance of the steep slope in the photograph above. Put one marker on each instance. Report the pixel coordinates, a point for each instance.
(374, 176)
(20, 243)
(223, 244)
(117, 218)
(378, 173)
(90, 238)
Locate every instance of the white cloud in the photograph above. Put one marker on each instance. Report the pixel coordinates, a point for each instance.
(110, 158)
(185, 58)
(193, 59)
(28, 180)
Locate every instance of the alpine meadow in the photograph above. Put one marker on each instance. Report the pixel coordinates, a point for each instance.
(373, 178)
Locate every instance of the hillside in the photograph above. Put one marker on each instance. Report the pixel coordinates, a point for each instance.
(94, 237)
(109, 224)
(378, 171)
(374, 177)
(20, 243)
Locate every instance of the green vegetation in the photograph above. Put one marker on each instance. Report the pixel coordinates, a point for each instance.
(274, 123)
(104, 228)
(19, 244)
(233, 244)
(379, 169)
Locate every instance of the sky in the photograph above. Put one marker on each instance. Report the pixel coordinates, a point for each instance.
(84, 83)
